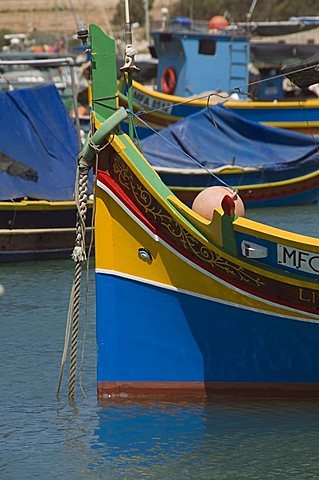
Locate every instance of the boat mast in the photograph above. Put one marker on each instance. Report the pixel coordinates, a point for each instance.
(250, 12)
(129, 66)
(147, 21)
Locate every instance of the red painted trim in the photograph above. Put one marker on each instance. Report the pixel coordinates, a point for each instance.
(309, 308)
(120, 390)
(104, 178)
(252, 195)
(290, 298)
(280, 191)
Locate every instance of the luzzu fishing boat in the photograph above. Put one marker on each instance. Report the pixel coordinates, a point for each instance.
(200, 68)
(159, 110)
(185, 304)
(269, 167)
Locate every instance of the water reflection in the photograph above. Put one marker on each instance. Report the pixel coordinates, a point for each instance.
(148, 439)
(213, 439)
(168, 440)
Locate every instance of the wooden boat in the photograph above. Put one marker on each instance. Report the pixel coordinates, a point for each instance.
(159, 110)
(38, 150)
(38, 230)
(186, 305)
(225, 58)
(268, 166)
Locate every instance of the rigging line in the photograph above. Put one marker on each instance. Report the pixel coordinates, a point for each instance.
(137, 140)
(73, 11)
(313, 136)
(210, 113)
(110, 97)
(189, 100)
(223, 96)
(103, 105)
(184, 153)
(66, 339)
(99, 101)
(274, 77)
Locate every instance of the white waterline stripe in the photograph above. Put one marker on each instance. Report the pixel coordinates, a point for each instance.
(199, 295)
(194, 265)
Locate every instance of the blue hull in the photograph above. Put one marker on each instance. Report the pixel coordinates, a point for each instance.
(191, 339)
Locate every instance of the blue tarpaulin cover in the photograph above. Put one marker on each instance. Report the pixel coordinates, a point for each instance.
(36, 131)
(217, 136)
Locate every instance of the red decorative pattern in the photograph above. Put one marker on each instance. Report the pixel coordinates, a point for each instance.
(129, 189)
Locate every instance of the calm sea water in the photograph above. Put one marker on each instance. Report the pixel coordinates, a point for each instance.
(45, 438)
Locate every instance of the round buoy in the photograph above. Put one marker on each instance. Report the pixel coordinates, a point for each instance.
(217, 23)
(212, 197)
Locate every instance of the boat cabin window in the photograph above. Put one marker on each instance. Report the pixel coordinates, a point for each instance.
(207, 47)
(165, 37)
(169, 46)
(179, 50)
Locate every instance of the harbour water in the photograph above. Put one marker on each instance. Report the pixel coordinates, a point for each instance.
(45, 438)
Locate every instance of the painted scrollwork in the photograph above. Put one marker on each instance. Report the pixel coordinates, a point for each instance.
(155, 213)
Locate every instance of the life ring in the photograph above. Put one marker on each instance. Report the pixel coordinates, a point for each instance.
(169, 80)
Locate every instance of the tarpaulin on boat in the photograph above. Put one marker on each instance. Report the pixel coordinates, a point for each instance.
(38, 145)
(217, 136)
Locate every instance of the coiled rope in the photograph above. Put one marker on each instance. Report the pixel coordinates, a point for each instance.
(84, 162)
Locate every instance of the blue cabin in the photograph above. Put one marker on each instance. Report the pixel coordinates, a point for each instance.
(192, 63)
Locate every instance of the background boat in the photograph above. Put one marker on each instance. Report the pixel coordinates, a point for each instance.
(30, 69)
(268, 166)
(38, 151)
(196, 68)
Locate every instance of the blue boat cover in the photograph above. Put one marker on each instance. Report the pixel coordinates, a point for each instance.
(216, 136)
(38, 145)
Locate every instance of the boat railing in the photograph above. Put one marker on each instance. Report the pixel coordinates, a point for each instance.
(185, 24)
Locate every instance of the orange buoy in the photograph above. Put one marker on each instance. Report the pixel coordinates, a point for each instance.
(217, 23)
(212, 197)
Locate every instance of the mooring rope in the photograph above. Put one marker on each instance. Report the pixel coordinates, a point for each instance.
(87, 282)
(79, 256)
(75, 329)
(84, 163)
(66, 340)
(81, 198)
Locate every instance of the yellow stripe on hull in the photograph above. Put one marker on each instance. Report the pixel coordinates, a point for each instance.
(41, 205)
(233, 104)
(167, 268)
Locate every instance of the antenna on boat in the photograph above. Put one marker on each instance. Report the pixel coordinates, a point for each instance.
(147, 20)
(129, 66)
(250, 12)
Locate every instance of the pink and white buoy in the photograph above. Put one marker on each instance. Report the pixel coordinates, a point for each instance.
(213, 197)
